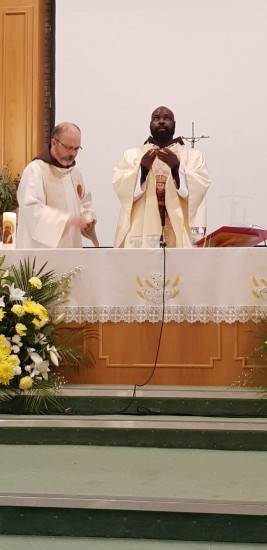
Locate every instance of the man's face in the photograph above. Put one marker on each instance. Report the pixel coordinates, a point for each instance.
(66, 147)
(162, 125)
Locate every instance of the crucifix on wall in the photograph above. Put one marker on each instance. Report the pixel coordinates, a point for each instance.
(193, 139)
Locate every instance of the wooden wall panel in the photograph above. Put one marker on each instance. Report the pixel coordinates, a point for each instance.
(190, 354)
(124, 344)
(22, 74)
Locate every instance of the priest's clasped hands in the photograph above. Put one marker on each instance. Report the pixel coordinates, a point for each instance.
(164, 154)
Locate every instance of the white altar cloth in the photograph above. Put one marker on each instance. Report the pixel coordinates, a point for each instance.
(209, 284)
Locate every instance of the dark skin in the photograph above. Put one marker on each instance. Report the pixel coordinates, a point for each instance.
(162, 127)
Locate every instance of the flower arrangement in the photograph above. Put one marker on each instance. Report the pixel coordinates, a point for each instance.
(29, 358)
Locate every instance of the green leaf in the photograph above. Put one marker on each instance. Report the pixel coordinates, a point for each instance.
(44, 398)
(7, 393)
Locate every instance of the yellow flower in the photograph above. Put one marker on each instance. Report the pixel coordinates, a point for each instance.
(3, 341)
(4, 353)
(36, 322)
(21, 329)
(13, 360)
(35, 309)
(25, 383)
(36, 282)
(42, 312)
(29, 306)
(18, 310)
(5, 348)
(6, 373)
(2, 313)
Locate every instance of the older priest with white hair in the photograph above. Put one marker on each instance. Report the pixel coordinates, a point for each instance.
(55, 209)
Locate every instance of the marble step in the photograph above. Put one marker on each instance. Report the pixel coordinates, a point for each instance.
(136, 431)
(124, 492)
(154, 400)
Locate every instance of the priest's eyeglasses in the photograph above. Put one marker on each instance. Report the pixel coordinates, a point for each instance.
(69, 147)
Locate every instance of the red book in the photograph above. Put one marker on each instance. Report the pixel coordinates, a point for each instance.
(234, 236)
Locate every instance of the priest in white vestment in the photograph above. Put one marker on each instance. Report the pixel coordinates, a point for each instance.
(162, 189)
(55, 209)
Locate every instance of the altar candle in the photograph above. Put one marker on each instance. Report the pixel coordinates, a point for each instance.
(9, 230)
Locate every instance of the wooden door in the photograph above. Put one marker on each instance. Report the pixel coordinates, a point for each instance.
(21, 81)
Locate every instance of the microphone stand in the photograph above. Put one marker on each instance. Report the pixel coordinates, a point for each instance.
(162, 243)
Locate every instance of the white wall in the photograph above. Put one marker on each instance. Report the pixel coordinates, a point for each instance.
(117, 60)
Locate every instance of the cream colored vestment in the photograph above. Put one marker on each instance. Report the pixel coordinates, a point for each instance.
(47, 197)
(140, 217)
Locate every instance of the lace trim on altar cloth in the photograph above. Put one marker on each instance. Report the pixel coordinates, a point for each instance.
(179, 314)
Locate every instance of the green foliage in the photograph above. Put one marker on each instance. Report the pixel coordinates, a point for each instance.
(8, 189)
(52, 288)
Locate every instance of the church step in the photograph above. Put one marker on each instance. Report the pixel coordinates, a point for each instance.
(183, 526)
(136, 431)
(159, 494)
(154, 400)
(64, 543)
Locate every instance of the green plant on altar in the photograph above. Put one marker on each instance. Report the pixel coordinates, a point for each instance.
(29, 355)
(8, 189)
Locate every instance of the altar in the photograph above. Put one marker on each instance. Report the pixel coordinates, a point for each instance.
(187, 316)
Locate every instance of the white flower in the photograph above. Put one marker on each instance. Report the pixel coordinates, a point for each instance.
(54, 355)
(17, 370)
(2, 302)
(16, 294)
(35, 357)
(16, 349)
(17, 343)
(28, 368)
(16, 339)
(42, 368)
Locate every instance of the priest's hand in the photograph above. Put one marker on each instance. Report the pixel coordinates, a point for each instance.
(76, 221)
(148, 159)
(90, 225)
(167, 156)
(90, 233)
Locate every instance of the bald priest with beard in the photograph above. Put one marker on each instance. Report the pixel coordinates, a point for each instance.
(161, 187)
